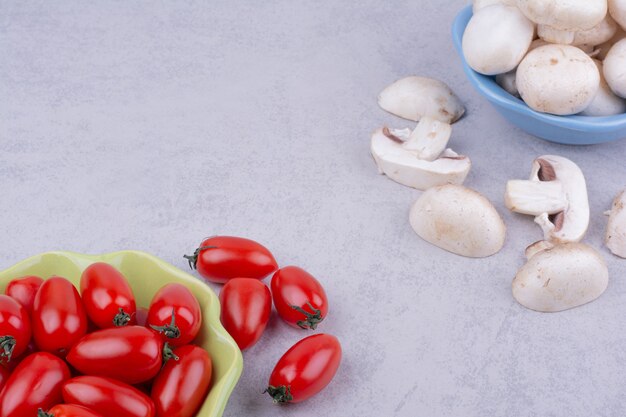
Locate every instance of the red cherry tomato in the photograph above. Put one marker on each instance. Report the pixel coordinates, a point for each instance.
(246, 307)
(4, 376)
(131, 354)
(107, 296)
(141, 316)
(221, 258)
(299, 298)
(306, 369)
(23, 291)
(108, 397)
(15, 329)
(175, 314)
(59, 318)
(69, 410)
(182, 386)
(35, 383)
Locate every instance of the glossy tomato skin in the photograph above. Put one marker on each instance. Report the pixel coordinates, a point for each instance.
(298, 297)
(131, 354)
(107, 396)
(35, 383)
(246, 305)
(4, 376)
(181, 387)
(221, 258)
(59, 318)
(15, 329)
(23, 291)
(72, 410)
(305, 369)
(109, 301)
(175, 299)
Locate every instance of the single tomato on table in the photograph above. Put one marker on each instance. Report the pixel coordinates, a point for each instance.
(15, 329)
(246, 305)
(221, 258)
(23, 291)
(68, 410)
(175, 314)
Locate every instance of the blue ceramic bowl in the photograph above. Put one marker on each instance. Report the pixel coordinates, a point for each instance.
(571, 130)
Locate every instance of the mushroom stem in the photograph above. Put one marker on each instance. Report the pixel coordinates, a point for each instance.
(535, 197)
(429, 139)
(552, 35)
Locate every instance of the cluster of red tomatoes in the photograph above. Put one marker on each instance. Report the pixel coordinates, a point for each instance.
(246, 302)
(124, 361)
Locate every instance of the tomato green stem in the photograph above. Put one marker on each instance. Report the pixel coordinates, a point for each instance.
(41, 413)
(7, 345)
(121, 319)
(280, 394)
(193, 259)
(168, 353)
(171, 330)
(312, 319)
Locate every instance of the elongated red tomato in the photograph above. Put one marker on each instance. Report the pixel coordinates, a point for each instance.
(299, 298)
(181, 387)
(246, 306)
(23, 291)
(109, 301)
(4, 376)
(131, 354)
(36, 383)
(68, 410)
(306, 369)
(221, 258)
(175, 314)
(59, 318)
(108, 397)
(15, 329)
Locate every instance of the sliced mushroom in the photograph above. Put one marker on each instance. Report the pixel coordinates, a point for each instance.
(617, 9)
(561, 206)
(415, 97)
(496, 39)
(429, 139)
(598, 34)
(616, 229)
(561, 277)
(615, 68)
(403, 166)
(605, 103)
(459, 220)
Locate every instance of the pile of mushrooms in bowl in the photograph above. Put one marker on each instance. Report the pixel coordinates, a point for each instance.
(557, 64)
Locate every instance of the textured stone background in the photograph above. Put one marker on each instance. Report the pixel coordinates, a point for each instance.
(149, 125)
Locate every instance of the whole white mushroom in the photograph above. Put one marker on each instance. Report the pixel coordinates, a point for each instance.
(598, 34)
(496, 39)
(481, 4)
(615, 68)
(558, 79)
(617, 9)
(605, 103)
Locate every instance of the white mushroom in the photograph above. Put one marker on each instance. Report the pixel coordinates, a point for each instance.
(415, 97)
(429, 139)
(616, 229)
(552, 35)
(598, 34)
(615, 68)
(556, 194)
(558, 79)
(564, 16)
(561, 277)
(605, 103)
(508, 83)
(617, 9)
(603, 49)
(403, 166)
(458, 220)
(481, 4)
(496, 39)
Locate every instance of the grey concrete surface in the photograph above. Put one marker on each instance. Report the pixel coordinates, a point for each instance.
(149, 125)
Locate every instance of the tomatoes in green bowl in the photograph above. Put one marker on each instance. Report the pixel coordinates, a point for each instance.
(146, 274)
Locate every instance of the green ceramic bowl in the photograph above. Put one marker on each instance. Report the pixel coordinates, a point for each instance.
(146, 274)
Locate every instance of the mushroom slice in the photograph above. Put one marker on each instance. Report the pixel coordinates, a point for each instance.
(616, 229)
(429, 139)
(415, 97)
(403, 166)
(563, 205)
(458, 220)
(560, 277)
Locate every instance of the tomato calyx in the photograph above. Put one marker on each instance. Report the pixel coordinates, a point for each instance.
(41, 413)
(7, 345)
(168, 353)
(193, 259)
(171, 331)
(280, 394)
(312, 319)
(121, 319)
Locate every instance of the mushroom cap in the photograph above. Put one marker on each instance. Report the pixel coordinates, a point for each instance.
(481, 4)
(616, 228)
(459, 220)
(617, 10)
(615, 68)
(571, 15)
(404, 167)
(605, 103)
(414, 97)
(561, 277)
(598, 34)
(496, 39)
(557, 79)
